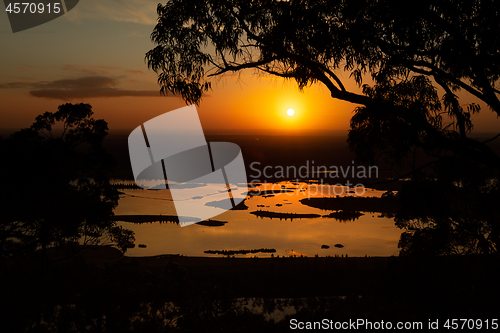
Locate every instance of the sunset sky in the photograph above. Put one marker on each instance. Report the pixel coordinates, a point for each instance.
(95, 54)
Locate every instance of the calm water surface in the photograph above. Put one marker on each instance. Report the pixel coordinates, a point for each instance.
(369, 234)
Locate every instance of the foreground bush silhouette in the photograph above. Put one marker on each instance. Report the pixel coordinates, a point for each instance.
(56, 196)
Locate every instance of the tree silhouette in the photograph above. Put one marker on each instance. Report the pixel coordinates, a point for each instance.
(453, 47)
(55, 188)
(418, 55)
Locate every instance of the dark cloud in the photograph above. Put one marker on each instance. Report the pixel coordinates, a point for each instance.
(85, 87)
(90, 70)
(14, 85)
(68, 94)
(96, 81)
(135, 72)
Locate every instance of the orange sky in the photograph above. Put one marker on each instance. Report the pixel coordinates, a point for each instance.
(98, 50)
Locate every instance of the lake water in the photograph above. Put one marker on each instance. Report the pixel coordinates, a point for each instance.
(371, 234)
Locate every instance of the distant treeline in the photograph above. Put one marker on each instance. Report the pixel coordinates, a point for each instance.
(344, 216)
(123, 186)
(146, 218)
(265, 213)
(232, 252)
(340, 215)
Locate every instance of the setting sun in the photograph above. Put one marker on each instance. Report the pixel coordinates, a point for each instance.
(290, 112)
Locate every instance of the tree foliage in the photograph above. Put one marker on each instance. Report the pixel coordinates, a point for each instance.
(55, 186)
(412, 61)
(406, 48)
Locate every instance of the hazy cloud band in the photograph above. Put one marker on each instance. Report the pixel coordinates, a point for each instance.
(84, 87)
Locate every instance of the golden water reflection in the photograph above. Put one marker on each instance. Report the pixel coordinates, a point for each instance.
(367, 235)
